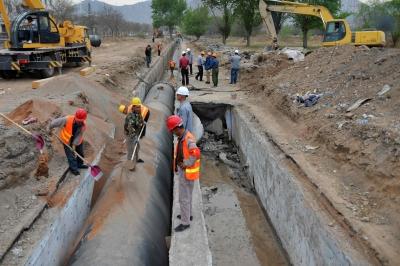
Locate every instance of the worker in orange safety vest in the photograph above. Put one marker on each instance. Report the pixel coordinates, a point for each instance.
(187, 165)
(71, 134)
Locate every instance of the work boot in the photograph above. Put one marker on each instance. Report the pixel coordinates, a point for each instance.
(74, 172)
(83, 166)
(181, 227)
(140, 160)
(180, 217)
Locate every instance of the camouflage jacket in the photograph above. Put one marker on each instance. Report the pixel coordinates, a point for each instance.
(133, 124)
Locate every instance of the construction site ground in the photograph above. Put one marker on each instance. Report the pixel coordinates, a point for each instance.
(23, 196)
(346, 144)
(348, 154)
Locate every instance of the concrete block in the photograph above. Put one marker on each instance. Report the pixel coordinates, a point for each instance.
(36, 84)
(87, 71)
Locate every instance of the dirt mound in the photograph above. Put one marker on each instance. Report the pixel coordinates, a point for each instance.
(39, 109)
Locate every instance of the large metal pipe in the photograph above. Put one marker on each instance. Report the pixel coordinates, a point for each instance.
(132, 217)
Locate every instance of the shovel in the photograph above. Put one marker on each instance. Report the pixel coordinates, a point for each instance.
(95, 170)
(38, 138)
(131, 164)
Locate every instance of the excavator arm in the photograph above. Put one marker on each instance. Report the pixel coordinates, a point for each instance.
(268, 6)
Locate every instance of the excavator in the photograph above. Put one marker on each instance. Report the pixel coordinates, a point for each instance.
(337, 31)
(36, 43)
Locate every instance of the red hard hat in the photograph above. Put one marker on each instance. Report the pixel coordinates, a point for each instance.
(81, 114)
(173, 122)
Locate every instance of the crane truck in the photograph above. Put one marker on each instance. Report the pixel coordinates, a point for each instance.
(36, 43)
(337, 31)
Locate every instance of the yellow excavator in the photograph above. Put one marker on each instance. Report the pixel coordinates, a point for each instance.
(36, 43)
(337, 31)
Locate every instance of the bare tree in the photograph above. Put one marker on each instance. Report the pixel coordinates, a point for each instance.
(61, 9)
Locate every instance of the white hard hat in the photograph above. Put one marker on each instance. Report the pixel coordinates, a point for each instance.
(236, 51)
(188, 49)
(183, 91)
(183, 52)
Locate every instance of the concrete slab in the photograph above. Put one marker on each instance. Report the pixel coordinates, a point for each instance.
(36, 84)
(189, 247)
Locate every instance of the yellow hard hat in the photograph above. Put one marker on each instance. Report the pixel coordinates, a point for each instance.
(136, 101)
(121, 108)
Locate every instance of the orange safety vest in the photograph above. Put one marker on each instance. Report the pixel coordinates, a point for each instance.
(172, 64)
(66, 131)
(144, 110)
(192, 173)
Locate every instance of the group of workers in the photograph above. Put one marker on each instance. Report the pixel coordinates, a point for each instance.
(209, 64)
(187, 154)
(148, 53)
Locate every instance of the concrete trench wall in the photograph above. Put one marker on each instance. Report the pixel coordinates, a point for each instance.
(156, 73)
(300, 222)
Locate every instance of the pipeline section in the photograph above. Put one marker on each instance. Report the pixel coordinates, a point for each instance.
(132, 230)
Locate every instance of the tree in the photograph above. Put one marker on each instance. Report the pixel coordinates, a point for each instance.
(167, 13)
(226, 8)
(195, 22)
(306, 23)
(247, 10)
(61, 9)
(383, 16)
(279, 18)
(112, 19)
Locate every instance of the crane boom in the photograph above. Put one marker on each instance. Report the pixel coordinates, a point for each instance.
(33, 4)
(6, 18)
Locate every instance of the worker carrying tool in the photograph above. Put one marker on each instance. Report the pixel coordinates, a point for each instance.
(71, 134)
(187, 165)
(136, 118)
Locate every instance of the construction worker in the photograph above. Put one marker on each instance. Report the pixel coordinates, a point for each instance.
(235, 66)
(214, 69)
(184, 67)
(147, 53)
(134, 123)
(71, 134)
(190, 57)
(200, 66)
(187, 165)
(172, 66)
(207, 67)
(159, 48)
(184, 110)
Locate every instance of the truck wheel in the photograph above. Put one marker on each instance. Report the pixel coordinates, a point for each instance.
(8, 74)
(47, 73)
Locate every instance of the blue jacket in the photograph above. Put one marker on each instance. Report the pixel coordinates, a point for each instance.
(207, 64)
(214, 63)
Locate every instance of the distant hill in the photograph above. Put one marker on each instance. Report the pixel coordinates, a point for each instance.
(140, 12)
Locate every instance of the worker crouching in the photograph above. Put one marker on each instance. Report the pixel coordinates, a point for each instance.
(71, 135)
(187, 165)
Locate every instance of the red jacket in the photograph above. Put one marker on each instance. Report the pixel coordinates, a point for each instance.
(183, 62)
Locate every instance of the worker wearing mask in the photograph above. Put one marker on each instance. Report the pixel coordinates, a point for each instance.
(187, 165)
(185, 108)
(134, 123)
(71, 134)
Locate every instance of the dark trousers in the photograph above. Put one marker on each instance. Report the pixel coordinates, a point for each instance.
(234, 75)
(74, 161)
(185, 76)
(148, 60)
(159, 52)
(215, 72)
(191, 69)
(200, 74)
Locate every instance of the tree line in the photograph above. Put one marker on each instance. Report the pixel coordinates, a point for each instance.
(222, 14)
(107, 22)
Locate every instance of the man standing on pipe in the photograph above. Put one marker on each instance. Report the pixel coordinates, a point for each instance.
(187, 164)
(185, 108)
(71, 134)
(136, 118)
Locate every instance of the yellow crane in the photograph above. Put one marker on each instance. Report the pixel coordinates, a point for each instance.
(337, 31)
(36, 43)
